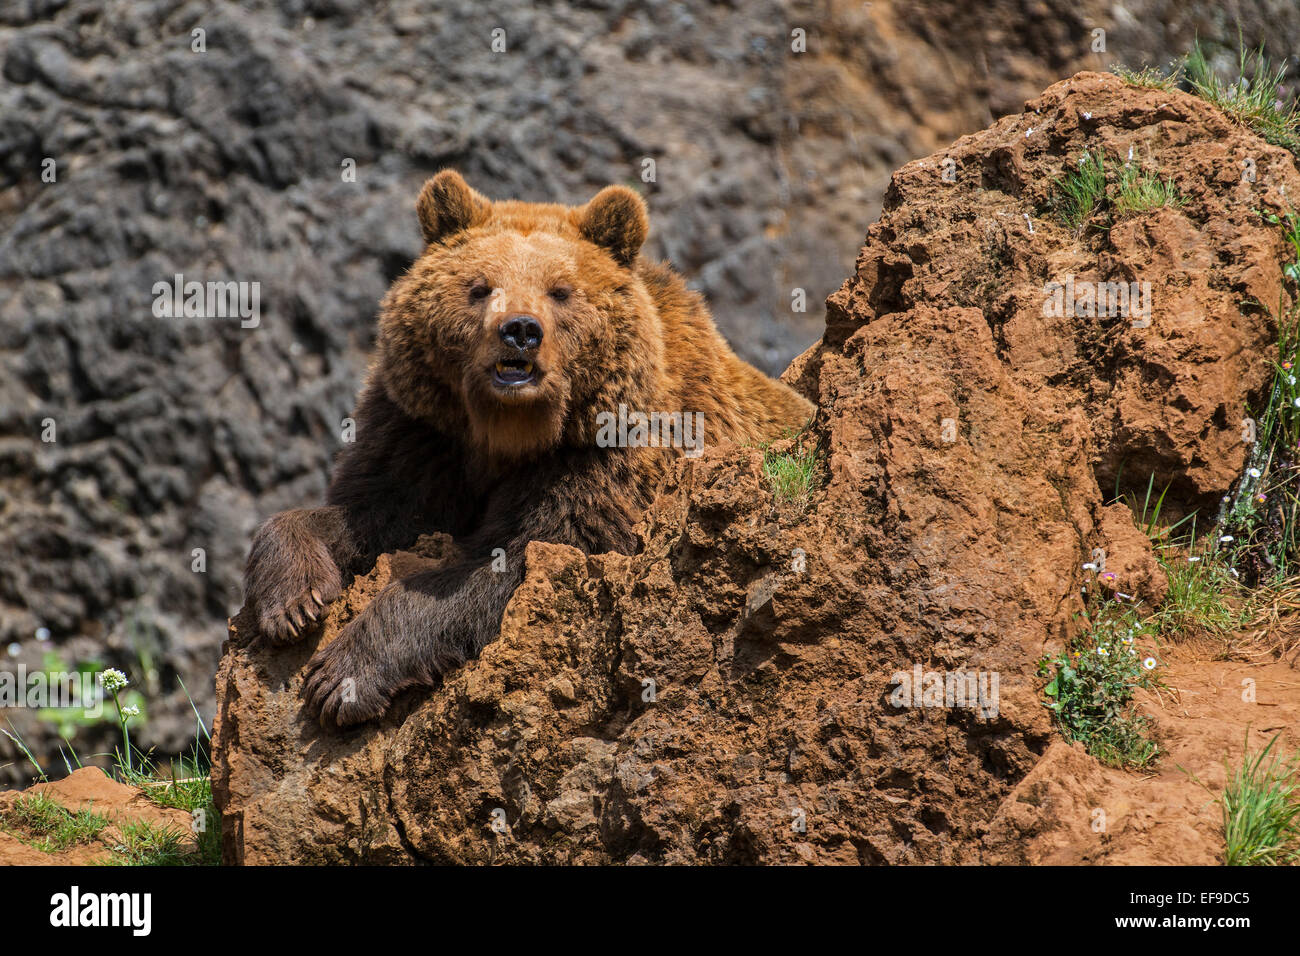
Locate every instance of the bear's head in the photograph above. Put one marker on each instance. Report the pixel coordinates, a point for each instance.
(520, 321)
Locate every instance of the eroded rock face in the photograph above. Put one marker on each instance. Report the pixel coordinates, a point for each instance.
(730, 693)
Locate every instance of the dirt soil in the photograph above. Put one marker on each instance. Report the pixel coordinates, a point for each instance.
(85, 789)
(728, 694)
(1071, 810)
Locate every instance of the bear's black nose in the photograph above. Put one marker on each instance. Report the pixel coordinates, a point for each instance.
(521, 332)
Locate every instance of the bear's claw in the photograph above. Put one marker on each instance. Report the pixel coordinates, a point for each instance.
(295, 617)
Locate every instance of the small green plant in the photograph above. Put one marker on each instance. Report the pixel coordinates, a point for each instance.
(792, 475)
(1092, 683)
(13, 735)
(114, 681)
(1254, 99)
(1291, 232)
(1139, 191)
(52, 827)
(1081, 191)
(186, 784)
(1261, 810)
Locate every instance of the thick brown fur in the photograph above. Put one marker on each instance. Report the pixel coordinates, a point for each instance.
(442, 444)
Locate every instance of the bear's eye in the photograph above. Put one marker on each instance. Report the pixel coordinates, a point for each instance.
(560, 293)
(479, 291)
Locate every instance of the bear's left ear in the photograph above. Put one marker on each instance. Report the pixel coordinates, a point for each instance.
(616, 220)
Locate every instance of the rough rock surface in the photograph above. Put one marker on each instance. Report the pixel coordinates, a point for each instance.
(728, 694)
(226, 165)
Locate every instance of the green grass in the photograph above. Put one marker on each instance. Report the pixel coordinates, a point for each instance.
(1199, 597)
(1261, 810)
(1085, 197)
(41, 822)
(1081, 191)
(1203, 595)
(189, 789)
(144, 844)
(1149, 77)
(1253, 99)
(1262, 516)
(13, 735)
(1092, 683)
(1138, 191)
(792, 475)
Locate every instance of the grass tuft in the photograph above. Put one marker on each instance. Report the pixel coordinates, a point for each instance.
(1081, 191)
(143, 844)
(50, 827)
(1254, 99)
(793, 475)
(1261, 810)
(1149, 77)
(1082, 196)
(1139, 191)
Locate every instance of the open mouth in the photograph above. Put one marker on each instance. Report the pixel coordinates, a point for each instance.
(512, 373)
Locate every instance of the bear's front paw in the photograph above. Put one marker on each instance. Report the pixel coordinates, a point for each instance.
(290, 583)
(352, 679)
(287, 620)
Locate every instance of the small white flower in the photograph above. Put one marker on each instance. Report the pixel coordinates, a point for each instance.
(1103, 651)
(1225, 539)
(1253, 472)
(42, 634)
(1193, 560)
(1149, 663)
(1297, 403)
(113, 679)
(132, 711)
(1233, 572)
(15, 649)
(1290, 379)
(1090, 566)
(1087, 116)
(1028, 131)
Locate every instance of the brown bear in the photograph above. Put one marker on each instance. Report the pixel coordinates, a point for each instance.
(505, 356)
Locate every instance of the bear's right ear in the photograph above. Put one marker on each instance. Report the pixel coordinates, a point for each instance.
(447, 206)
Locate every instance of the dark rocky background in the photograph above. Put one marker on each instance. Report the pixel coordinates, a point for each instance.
(226, 165)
